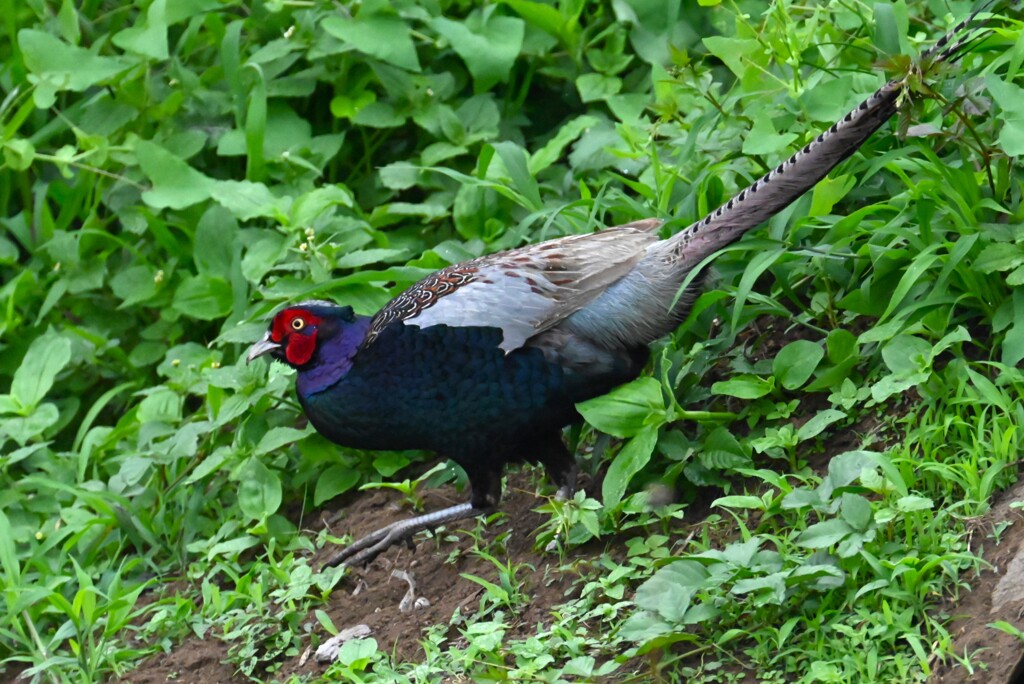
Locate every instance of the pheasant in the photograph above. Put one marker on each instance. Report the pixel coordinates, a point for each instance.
(485, 360)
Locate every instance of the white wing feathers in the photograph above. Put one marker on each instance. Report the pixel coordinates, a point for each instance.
(528, 290)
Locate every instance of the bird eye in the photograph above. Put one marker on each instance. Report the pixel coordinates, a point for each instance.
(298, 324)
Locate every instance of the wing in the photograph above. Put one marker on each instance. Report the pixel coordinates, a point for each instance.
(522, 291)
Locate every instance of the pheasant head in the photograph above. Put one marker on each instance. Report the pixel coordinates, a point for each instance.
(302, 334)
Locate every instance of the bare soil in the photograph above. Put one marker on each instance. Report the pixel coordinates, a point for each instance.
(371, 596)
(995, 593)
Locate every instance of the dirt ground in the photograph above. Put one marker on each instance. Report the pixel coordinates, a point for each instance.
(371, 596)
(997, 593)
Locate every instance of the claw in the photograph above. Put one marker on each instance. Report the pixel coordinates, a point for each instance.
(369, 547)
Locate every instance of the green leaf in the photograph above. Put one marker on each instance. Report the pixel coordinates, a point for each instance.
(842, 345)
(595, 87)
(204, 298)
(999, 256)
(513, 157)
(887, 29)
(824, 534)
(627, 463)
(817, 424)
(827, 193)
(389, 463)
(346, 106)
(580, 666)
(161, 405)
(46, 357)
(256, 126)
(769, 588)
(212, 244)
(795, 363)
(644, 626)
(856, 510)
(722, 450)
(1010, 98)
(248, 200)
(22, 429)
(1013, 341)
(554, 148)
(733, 51)
(275, 438)
(379, 115)
(8, 553)
(758, 264)
(356, 654)
(233, 547)
(764, 140)
(739, 501)
(489, 48)
(259, 490)
(67, 22)
(180, 10)
(911, 503)
(8, 252)
(176, 185)
(56, 66)
(383, 36)
(19, 154)
(547, 19)
(209, 465)
(365, 257)
(626, 410)
(134, 285)
(262, 256)
(923, 261)
(906, 354)
(149, 37)
(401, 175)
(335, 480)
(669, 592)
(310, 206)
(744, 387)
(957, 334)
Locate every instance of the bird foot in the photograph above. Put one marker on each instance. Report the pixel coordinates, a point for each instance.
(369, 547)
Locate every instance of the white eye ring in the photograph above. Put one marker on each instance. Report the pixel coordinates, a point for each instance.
(298, 324)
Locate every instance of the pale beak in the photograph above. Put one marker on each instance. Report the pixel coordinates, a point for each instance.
(262, 347)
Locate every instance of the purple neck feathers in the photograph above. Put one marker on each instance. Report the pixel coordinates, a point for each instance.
(333, 358)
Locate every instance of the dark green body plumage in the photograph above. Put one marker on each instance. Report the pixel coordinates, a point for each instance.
(449, 390)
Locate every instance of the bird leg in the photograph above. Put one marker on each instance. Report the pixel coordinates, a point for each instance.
(560, 465)
(366, 549)
(485, 483)
(565, 492)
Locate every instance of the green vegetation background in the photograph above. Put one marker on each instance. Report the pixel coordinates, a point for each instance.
(174, 170)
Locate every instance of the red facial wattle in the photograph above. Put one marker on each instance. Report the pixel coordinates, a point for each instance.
(300, 348)
(296, 330)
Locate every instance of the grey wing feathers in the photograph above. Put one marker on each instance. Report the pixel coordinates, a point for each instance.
(523, 291)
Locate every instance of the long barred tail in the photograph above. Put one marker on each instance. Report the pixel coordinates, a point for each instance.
(789, 180)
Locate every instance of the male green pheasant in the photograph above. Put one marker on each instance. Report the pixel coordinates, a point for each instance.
(484, 361)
